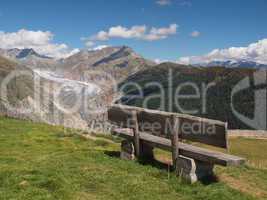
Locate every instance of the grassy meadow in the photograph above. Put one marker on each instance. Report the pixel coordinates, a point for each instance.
(39, 161)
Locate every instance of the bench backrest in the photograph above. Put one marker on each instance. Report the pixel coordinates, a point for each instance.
(196, 129)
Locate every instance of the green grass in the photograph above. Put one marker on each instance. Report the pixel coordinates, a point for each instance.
(38, 161)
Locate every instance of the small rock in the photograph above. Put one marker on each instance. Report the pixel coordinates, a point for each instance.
(24, 184)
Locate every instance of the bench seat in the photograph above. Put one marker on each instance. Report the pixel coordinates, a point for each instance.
(198, 153)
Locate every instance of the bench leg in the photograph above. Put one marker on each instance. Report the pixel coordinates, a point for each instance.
(127, 150)
(146, 151)
(192, 170)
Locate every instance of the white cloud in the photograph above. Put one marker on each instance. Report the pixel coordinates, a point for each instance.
(195, 34)
(256, 52)
(140, 32)
(40, 41)
(122, 32)
(100, 47)
(161, 33)
(163, 2)
(89, 43)
(101, 35)
(174, 2)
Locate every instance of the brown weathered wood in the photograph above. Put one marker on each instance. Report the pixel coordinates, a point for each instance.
(175, 139)
(211, 132)
(120, 116)
(187, 150)
(135, 129)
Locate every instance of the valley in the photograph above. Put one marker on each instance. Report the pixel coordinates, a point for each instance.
(76, 91)
(133, 100)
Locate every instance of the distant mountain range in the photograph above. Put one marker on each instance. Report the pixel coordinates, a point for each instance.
(118, 61)
(234, 63)
(21, 53)
(29, 57)
(69, 76)
(119, 57)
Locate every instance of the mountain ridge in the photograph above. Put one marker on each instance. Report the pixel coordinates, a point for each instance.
(107, 54)
(16, 53)
(242, 63)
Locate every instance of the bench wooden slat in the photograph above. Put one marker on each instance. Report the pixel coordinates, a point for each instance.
(211, 132)
(187, 150)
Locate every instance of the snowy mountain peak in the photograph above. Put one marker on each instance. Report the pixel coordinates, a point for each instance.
(29, 52)
(242, 63)
(16, 53)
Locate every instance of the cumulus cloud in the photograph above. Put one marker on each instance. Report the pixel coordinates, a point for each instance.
(256, 52)
(161, 33)
(195, 34)
(40, 41)
(140, 32)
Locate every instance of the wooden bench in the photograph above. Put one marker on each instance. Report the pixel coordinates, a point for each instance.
(144, 129)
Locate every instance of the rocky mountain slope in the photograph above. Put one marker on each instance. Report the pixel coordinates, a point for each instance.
(84, 81)
(117, 62)
(45, 97)
(30, 58)
(18, 88)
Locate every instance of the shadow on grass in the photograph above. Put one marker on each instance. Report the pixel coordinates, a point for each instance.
(142, 161)
(209, 180)
(163, 166)
(155, 163)
(114, 154)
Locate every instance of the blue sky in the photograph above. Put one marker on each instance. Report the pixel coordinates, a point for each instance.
(221, 24)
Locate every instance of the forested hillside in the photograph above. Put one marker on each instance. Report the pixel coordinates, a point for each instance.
(214, 85)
